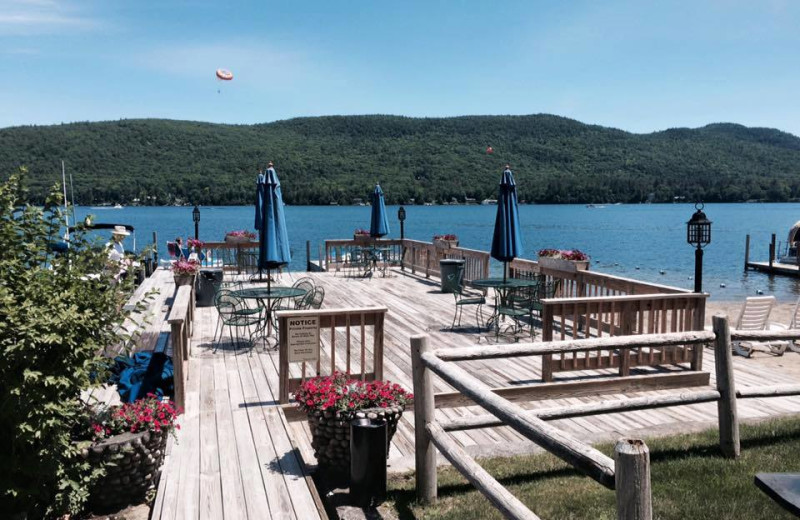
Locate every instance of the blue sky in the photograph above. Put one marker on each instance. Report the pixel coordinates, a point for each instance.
(636, 65)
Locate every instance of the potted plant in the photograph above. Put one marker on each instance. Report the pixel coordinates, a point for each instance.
(570, 260)
(127, 442)
(445, 241)
(185, 271)
(195, 244)
(361, 234)
(331, 402)
(239, 236)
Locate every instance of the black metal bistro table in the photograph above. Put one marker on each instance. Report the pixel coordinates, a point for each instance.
(502, 289)
(374, 255)
(267, 298)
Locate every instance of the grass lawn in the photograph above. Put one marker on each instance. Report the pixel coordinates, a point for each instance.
(689, 478)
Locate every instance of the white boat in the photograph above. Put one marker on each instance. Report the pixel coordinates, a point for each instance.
(118, 206)
(487, 202)
(790, 251)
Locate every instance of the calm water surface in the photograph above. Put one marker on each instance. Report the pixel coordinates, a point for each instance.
(637, 241)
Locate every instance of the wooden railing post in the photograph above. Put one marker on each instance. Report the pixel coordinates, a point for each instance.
(377, 361)
(547, 335)
(632, 480)
(726, 406)
(283, 360)
(425, 452)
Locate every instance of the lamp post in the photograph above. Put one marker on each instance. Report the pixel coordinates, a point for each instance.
(698, 234)
(196, 219)
(401, 216)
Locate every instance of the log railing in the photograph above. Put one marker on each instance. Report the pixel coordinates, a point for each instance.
(629, 472)
(181, 318)
(350, 341)
(622, 316)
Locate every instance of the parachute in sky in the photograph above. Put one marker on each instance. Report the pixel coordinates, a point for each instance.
(489, 150)
(224, 75)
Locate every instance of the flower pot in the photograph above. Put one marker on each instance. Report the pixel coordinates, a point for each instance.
(445, 244)
(133, 464)
(183, 279)
(330, 433)
(362, 238)
(559, 264)
(231, 239)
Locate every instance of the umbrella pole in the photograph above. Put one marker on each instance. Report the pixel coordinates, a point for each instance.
(505, 271)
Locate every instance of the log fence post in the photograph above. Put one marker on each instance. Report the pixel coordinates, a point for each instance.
(726, 406)
(632, 480)
(424, 449)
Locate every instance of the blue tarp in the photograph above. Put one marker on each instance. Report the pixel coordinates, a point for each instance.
(144, 373)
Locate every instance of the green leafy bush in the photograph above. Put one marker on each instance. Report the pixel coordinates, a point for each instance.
(57, 314)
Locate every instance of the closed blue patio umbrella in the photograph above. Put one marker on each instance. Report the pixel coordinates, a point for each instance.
(379, 222)
(506, 241)
(273, 246)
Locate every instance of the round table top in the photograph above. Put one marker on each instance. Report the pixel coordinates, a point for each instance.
(269, 293)
(509, 283)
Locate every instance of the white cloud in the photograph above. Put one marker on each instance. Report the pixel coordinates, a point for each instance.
(29, 17)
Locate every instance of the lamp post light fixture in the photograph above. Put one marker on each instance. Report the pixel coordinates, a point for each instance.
(196, 219)
(698, 234)
(401, 216)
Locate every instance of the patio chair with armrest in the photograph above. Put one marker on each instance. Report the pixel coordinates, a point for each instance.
(794, 323)
(755, 316)
(235, 314)
(519, 307)
(315, 302)
(465, 297)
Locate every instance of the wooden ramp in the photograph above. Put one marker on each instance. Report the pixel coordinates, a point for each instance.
(239, 456)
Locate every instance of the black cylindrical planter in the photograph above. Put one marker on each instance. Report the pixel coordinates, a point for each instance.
(368, 452)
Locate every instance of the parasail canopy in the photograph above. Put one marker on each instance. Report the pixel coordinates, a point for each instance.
(224, 74)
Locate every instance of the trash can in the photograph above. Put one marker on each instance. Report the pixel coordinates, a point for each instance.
(450, 270)
(207, 283)
(368, 452)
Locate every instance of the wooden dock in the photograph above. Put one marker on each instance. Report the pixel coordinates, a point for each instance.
(241, 455)
(775, 268)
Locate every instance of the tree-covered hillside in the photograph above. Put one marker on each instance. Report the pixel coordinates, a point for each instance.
(326, 159)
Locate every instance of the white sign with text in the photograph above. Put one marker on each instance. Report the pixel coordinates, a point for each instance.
(303, 338)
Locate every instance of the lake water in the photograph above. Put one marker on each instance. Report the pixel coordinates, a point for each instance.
(637, 241)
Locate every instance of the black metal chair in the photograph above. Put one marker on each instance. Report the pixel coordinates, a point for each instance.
(465, 297)
(234, 314)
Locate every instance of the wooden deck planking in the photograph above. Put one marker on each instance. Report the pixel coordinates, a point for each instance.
(262, 456)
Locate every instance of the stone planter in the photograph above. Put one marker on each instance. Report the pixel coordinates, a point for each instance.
(133, 465)
(183, 279)
(330, 432)
(559, 264)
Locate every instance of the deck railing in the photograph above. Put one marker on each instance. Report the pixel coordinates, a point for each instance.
(239, 257)
(337, 252)
(622, 316)
(181, 320)
(353, 349)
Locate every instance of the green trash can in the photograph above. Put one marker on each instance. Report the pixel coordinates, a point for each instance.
(450, 270)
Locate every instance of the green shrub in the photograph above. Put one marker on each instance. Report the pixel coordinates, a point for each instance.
(57, 314)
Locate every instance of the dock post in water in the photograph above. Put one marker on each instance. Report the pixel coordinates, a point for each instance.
(308, 255)
(155, 250)
(746, 251)
(772, 250)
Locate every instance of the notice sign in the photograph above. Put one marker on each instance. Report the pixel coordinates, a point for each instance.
(303, 337)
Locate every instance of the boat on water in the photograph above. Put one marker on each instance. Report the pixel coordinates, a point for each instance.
(487, 202)
(596, 206)
(789, 255)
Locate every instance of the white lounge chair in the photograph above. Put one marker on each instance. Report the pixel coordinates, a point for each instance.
(794, 323)
(755, 316)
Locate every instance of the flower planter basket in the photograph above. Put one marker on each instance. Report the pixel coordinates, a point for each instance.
(232, 239)
(135, 465)
(560, 264)
(184, 279)
(330, 432)
(362, 238)
(445, 244)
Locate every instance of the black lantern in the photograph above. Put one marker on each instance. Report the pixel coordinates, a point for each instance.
(698, 234)
(401, 216)
(196, 219)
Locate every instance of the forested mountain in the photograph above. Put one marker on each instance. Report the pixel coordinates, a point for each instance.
(339, 158)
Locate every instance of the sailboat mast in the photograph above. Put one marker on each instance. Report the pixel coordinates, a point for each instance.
(64, 185)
